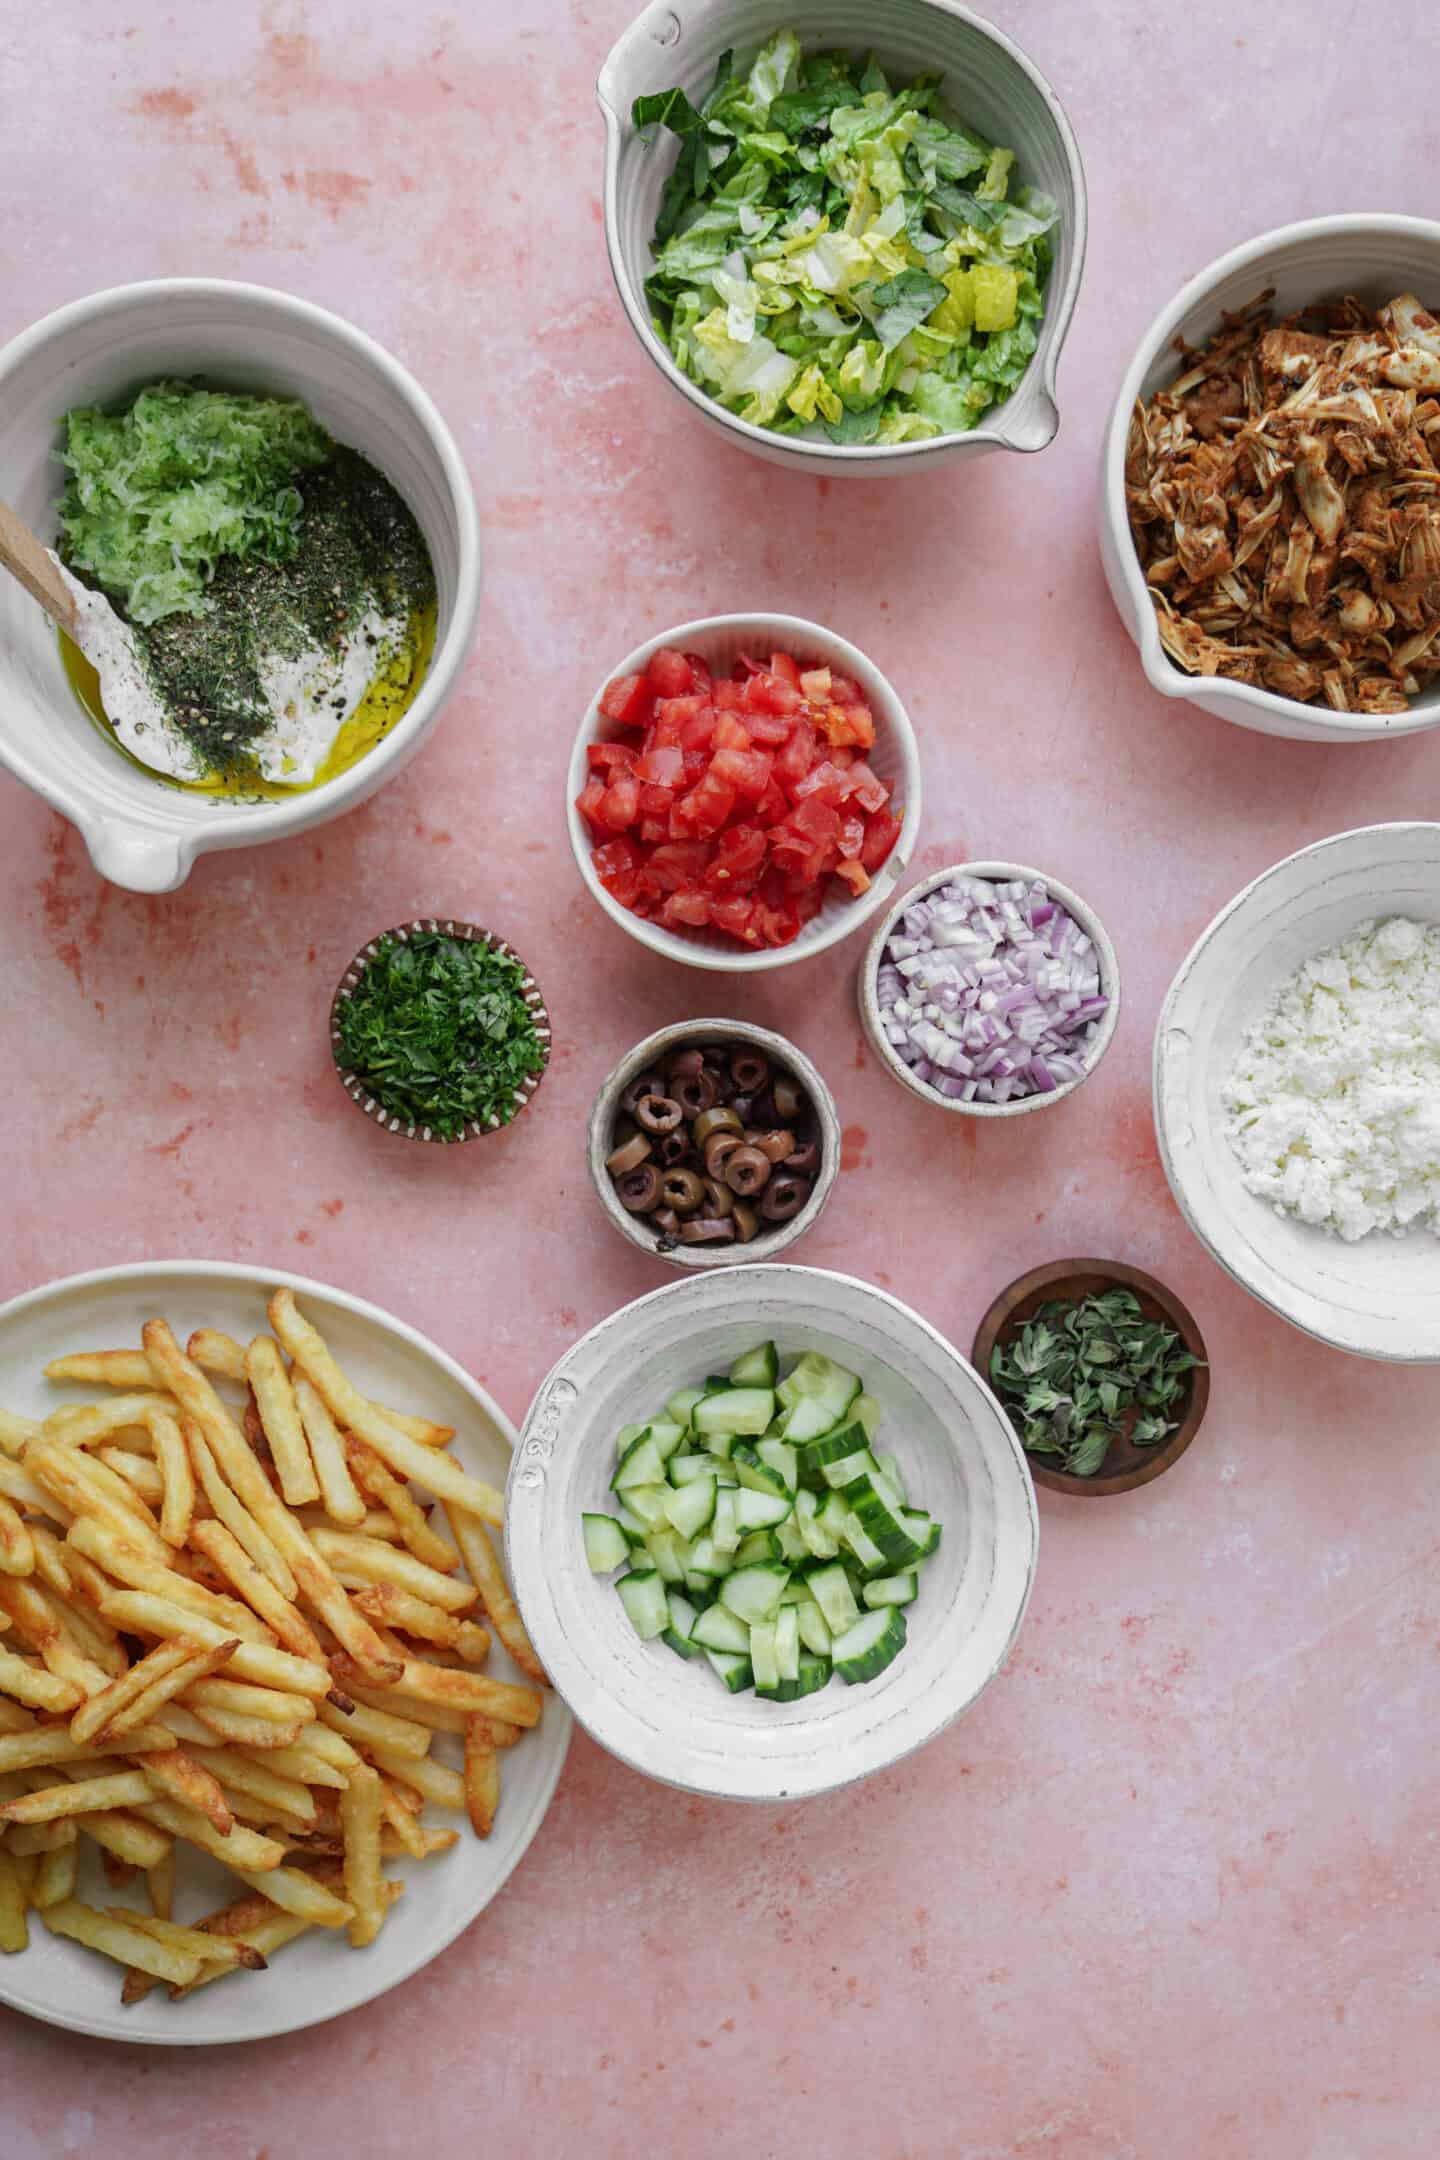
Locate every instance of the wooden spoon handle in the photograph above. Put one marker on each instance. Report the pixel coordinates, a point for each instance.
(24, 557)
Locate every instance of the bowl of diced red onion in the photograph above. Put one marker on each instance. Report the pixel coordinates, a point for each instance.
(990, 989)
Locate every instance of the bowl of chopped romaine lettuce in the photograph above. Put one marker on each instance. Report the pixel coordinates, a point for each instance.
(849, 260)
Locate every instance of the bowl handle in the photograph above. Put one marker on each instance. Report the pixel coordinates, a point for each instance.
(1173, 1047)
(136, 856)
(1032, 426)
(627, 72)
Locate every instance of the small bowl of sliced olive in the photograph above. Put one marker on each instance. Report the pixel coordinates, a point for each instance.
(714, 1142)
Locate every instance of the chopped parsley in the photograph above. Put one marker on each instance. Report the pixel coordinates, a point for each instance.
(438, 1030)
(1083, 1373)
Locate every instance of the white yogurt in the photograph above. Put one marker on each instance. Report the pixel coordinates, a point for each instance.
(131, 706)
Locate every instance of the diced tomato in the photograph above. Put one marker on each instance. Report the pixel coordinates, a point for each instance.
(772, 694)
(852, 835)
(747, 771)
(610, 757)
(842, 756)
(772, 806)
(728, 695)
(697, 729)
(707, 806)
(656, 801)
(811, 821)
(621, 805)
(869, 791)
(735, 915)
(844, 690)
(689, 908)
(654, 829)
(797, 756)
(588, 802)
(626, 700)
(738, 860)
(781, 664)
(853, 725)
(750, 666)
(664, 767)
(672, 713)
(675, 864)
(770, 728)
(695, 762)
(824, 780)
(854, 875)
(731, 732)
(882, 830)
(617, 865)
(670, 673)
(699, 671)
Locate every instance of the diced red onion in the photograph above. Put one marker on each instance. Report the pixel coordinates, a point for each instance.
(990, 992)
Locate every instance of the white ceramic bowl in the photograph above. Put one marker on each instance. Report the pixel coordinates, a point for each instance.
(960, 1458)
(869, 1003)
(142, 833)
(1380, 1297)
(988, 81)
(1367, 254)
(719, 640)
(775, 1238)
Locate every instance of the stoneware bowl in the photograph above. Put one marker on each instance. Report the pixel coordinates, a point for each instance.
(769, 1242)
(670, 1717)
(1126, 1465)
(869, 1003)
(1373, 256)
(719, 640)
(988, 80)
(1379, 1297)
(355, 1087)
(141, 832)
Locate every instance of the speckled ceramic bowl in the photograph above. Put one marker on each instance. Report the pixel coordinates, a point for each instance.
(869, 1002)
(768, 1243)
(356, 1088)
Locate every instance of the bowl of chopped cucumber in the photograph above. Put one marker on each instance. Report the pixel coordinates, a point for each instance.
(769, 1532)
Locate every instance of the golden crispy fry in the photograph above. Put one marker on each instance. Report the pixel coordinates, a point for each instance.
(136, 1612)
(438, 1716)
(300, 1894)
(17, 1548)
(327, 1449)
(360, 1828)
(236, 1518)
(378, 1523)
(329, 1746)
(429, 1467)
(41, 1746)
(396, 1608)
(14, 1933)
(378, 1728)
(121, 1939)
(266, 1705)
(434, 1781)
(55, 1876)
(248, 1481)
(361, 1560)
(300, 1762)
(32, 1684)
(126, 1789)
(240, 1848)
(197, 1665)
(41, 1837)
(160, 1883)
(45, 1624)
(189, 1941)
(391, 1493)
(104, 1368)
(95, 1713)
(280, 1419)
(89, 1488)
(138, 1844)
(229, 1556)
(23, 1491)
(240, 1773)
(482, 1779)
(459, 1689)
(82, 1424)
(398, 1809)
(16, 1433)
(132, 1568)
(483, 1563)
(216, 1352)
(177, 1476)
(179, 1776)
(237, 1730)
(138, 1471)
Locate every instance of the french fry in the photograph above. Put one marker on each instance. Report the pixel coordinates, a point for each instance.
(434, 1781)
(300, 1894)
(138, 1471)
(44, 1746)
(391, 1493)
(176, 1475)
(23, 1491)
(236, 1518)
(14, 1933)
(301, 1763)
(124, 1837)
(280, 1418)
(17, 1547)
(134, 1569)
(229, 1556)
(82, 1424)
(197, 1665)
(45, 1623)
(360, 1560)
(240, 1848)
(178, 1776)
(438, 1716)
(35, 1686)
(327, 1449)
(160, 1884)
(16, 1433)
(430, 1467)
(360, 1829)
(266, 1705)
(237, 1730)
(398, 1814)
(189, 1941)
(55, 1877)
(78, 1481)
(96, 1712)
(216, 1352)
(485, 1571)
(329, 1747)
(396, 1608)
(377, 1728)
(136, 1612)
(104, 1368)
(247, 1480)
(482, 1779)
(120, 1939)
(378, 1523)
(239, 1773)
(125, 1789)
(459, 1689)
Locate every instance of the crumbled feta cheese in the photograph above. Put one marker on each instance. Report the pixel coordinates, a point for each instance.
(1333, 1103)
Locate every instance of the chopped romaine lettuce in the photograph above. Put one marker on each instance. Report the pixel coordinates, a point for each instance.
(838, 257)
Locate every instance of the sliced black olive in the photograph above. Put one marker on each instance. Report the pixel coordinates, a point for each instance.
(695, 1092)
(707, 1230)
(719, 1200)
(749, 1069)
(657, 1113)
(788, 1099)
(646, 1083)
(785, 1195)
(672, 1148)
(713, 1121)
(747, 1171)
(805, 1159)
(718, 1149)
(628, 1156)
(746, 1221)
(682, 1191)
(777, 1145)
(638, 1190)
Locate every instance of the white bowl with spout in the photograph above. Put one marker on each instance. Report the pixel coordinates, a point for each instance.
(142, 832)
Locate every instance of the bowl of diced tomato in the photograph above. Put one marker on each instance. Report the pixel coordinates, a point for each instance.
(744, 791)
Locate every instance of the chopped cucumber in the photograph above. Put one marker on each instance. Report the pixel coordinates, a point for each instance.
(759, 1545)
(643, 1596)
(818, 1379)
(641, 1464)
(606, 1544)
(669, 1555)
(680, 1406)
(750, 1470)
(782, 1457)
(691, 1508)
(679, 1635)
(758, 1368)
(763, 1656)
(850, 1438)
(647, 1504)
(863, 1546)
(630, 1523)
(830, 1588)
(704, 1560)
(890, 1465)
(792, 1546)
(733, 1668)
(846, 1471)
(718, 1629)
(923, 1529)
(813, 1674)
(806, 1420)
(787, 1642)
(623, 1438)
(753, 1593)
(865, 1411)
(685, 1469)
(738, 1410)
(725, 1528)
(816, 1538)
(814, 1629)
(865, 1650)
(882, 1523)
(760, 1510)
(891, 1590)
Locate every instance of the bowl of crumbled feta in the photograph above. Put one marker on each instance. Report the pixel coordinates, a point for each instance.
(1297, 1090)
(272, 550)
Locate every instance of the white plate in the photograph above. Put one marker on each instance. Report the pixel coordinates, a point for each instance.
(1379, 1297)
(319, 1976)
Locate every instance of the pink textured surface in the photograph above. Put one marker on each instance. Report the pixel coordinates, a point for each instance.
(1171, 1889)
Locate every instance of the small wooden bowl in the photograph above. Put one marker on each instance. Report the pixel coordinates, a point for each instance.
(1125, 1465)
(355, 1087)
